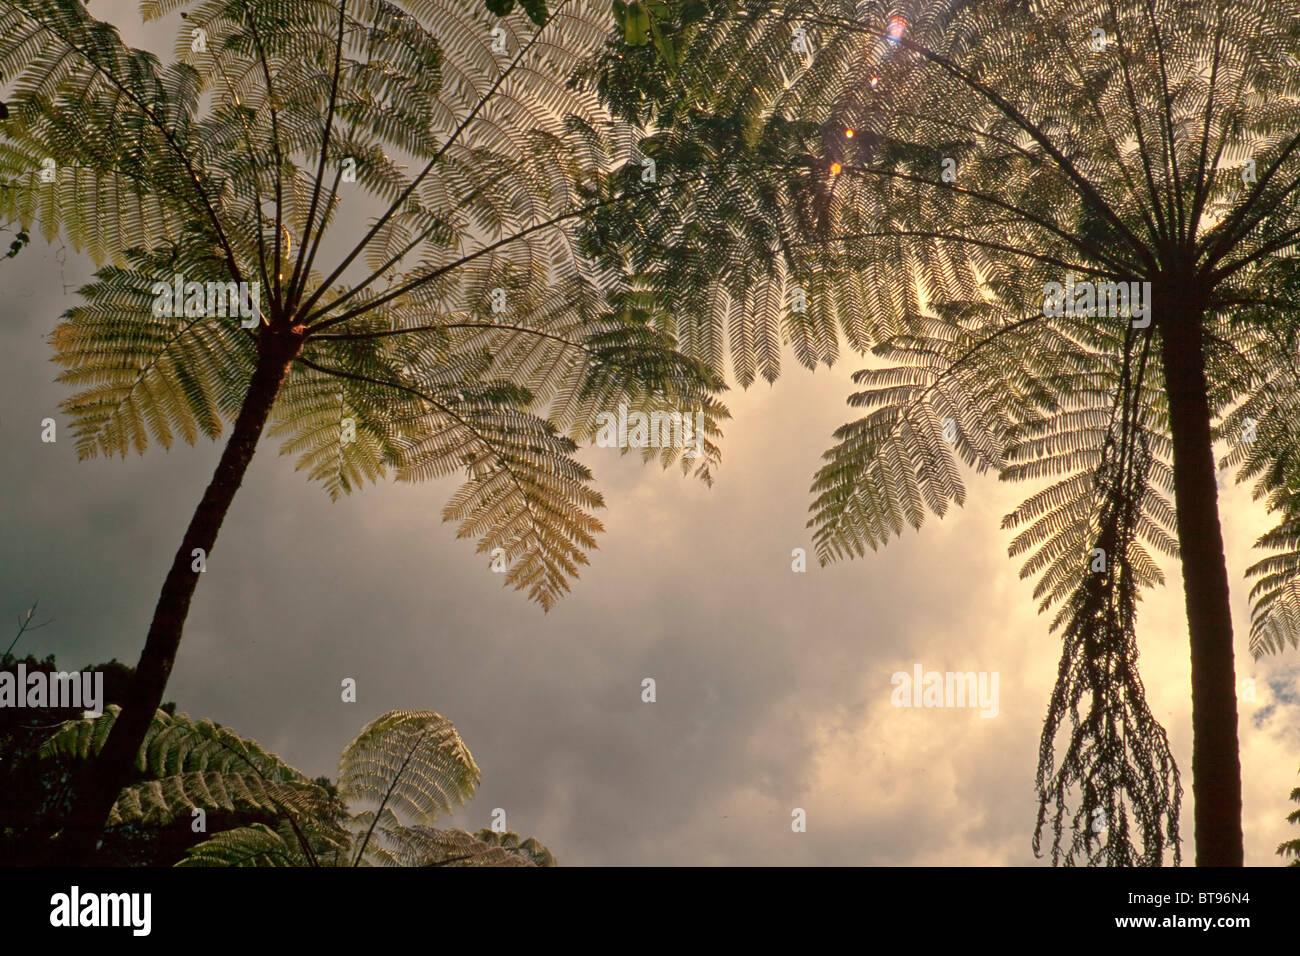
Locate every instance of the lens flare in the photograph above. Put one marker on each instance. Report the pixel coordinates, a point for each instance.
(897, 27)
(836, 168)
(848, 133)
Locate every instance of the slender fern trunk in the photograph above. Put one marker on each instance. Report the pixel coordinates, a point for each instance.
(1216, 765)
(114, 766)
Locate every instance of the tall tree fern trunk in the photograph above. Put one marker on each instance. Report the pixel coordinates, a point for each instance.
(113, 768)
(1216, 765)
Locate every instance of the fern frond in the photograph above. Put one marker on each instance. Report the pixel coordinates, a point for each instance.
(423, 846)
(159, 802)
(175, 745)
(256, 845)
(412, 764)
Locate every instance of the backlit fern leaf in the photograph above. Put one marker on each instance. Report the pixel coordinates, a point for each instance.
(144, 373)
(411, 766)
(256, 845)
(175, 744)
(159, 802)
(193, 764)
(423, 846)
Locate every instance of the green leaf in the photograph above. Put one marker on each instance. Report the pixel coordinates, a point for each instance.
(636, 24)
(663, 44)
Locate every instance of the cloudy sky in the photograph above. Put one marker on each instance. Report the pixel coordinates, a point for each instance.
(773, 687)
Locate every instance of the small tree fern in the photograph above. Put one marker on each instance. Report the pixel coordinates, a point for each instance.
(404, 769)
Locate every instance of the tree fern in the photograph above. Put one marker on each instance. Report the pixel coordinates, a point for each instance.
(404, 769)
(939, 169)
(1291, 848)
(466, 328)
